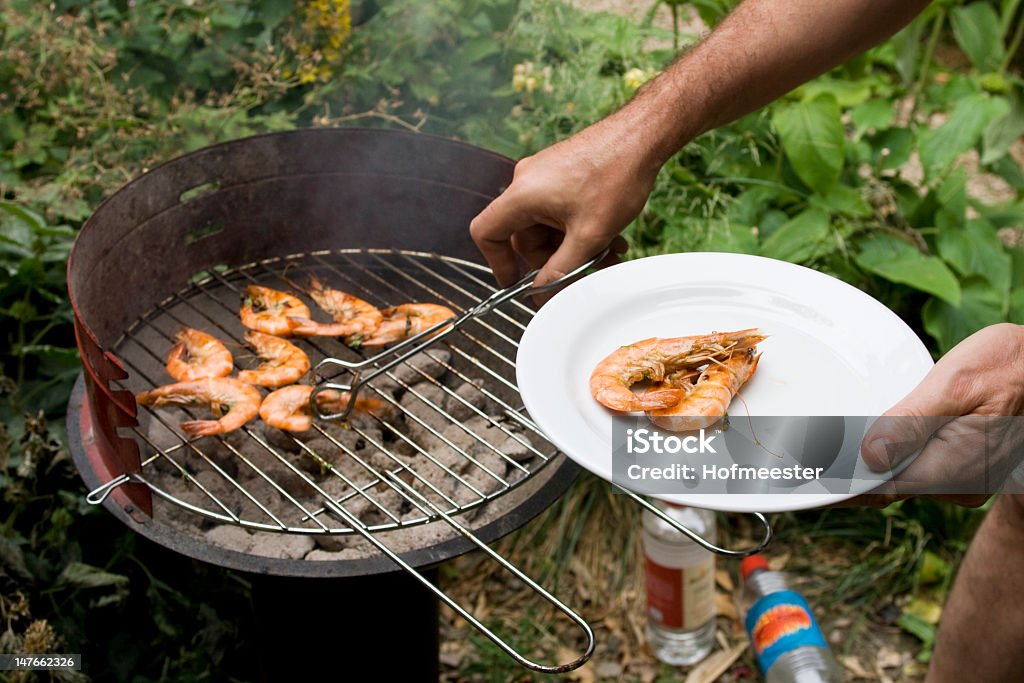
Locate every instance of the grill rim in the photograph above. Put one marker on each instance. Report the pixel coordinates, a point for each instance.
(230, 165)
(106, 410)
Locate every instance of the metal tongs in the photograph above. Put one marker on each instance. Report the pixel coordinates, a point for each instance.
(387, 359)
(392, 356)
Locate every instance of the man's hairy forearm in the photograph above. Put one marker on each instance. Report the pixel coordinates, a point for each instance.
(762, 50)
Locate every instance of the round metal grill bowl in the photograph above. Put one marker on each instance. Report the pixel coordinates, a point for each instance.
(383, 215)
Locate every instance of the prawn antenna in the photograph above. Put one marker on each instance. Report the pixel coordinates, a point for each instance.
(750, 421)
(293, 283)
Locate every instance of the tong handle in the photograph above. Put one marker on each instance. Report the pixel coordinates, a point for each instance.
(100, 493)
(385, 360)
(700, 540)
(426, 506)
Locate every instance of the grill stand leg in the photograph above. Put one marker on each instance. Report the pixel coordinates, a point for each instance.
(350, 629)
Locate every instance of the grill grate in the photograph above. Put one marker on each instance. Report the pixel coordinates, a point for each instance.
(457, 436)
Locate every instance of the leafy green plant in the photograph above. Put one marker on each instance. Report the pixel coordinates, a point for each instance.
(74, 579)
(37, 349)
(434, 67)
(91, 93)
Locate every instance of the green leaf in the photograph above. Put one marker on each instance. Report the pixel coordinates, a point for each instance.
(892, 148)
(844, 200)
(940, 147)
(12, 560)
(932, 570)
(907, 44)
(425, 91)
(1007, 11)
(751, 204)
(29, 217)
(876, 114)
(1017, 269)
(478, 48)
(54, 360)
(976, 250)
(898, 261)
(981, 305)
(800, 238)
(730, 237)
(87, 576)
(274, 12)
(918, 627)
(976, 28)
(848, 93)
(771, 221)
(12, 129)
(1016, 314)
(1001, 133)
(22, 311)
(1007, 168)
(145, 77)
(225, 18)
(813, 138)
(951, 195)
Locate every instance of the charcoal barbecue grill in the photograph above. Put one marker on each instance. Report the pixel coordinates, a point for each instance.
(455, 462)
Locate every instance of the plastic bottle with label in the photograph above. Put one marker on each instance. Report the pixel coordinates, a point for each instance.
(784, 635)
(680, 581)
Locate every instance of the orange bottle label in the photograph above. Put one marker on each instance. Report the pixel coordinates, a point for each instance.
(780, 622)
(680, 597)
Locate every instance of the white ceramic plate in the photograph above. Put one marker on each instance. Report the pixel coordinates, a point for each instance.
(833, 350)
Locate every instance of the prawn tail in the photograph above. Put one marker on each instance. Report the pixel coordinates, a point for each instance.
(660, 399)
(623, 400)
(197, 428)
(304, 327)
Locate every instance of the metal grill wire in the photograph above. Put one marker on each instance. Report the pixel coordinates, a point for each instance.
(478, 364)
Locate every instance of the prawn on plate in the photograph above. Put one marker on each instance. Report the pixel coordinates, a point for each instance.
(235, 402)
(271, 311)
(289, 408)
(656, 358)
(708, 392)
(196, 355)
(282, 362)
(351, 315)
(404, 321)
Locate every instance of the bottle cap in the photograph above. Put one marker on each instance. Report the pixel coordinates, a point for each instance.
(751, 562)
